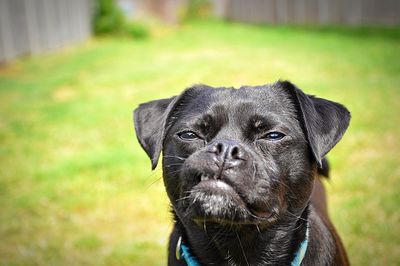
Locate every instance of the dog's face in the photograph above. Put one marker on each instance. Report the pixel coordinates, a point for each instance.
(242, 149)
(239, 156)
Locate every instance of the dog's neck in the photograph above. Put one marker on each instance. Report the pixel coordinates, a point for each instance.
(247, 245)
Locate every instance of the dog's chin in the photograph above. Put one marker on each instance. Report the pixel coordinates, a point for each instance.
(215, 201)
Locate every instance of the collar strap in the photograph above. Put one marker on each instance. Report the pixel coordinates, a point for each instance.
(183, 252)
(301, 252)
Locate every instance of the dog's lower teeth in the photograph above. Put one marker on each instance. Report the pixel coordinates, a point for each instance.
(204, 177)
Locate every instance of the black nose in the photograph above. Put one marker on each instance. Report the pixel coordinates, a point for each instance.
(227, 153)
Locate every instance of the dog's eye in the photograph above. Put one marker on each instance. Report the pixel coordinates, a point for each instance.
(274, 136)
(188, 135)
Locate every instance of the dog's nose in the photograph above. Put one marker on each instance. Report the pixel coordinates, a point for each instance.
(227, 153)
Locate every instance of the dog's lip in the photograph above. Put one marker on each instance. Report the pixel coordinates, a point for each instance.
(219, 185)
(258, 212)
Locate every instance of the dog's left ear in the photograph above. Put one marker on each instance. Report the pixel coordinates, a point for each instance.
(324, 121)
(149, 119)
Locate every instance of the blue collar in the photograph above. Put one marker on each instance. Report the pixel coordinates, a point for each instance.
(183, 252)
(301, 252)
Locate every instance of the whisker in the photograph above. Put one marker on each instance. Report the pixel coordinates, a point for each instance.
(173, 156)
(174, 172)
(182, 198)
(173, 164)
(298, 217)
(152, 183)
(244, 254)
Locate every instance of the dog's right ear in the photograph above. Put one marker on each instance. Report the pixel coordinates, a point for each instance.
(149, 119)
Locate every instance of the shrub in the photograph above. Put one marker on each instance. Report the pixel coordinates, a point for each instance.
(136, 30)
(108, 18)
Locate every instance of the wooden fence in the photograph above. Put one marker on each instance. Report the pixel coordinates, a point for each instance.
(348, 12)
(32, 26)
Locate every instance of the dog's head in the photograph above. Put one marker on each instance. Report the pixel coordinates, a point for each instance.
(239, 156)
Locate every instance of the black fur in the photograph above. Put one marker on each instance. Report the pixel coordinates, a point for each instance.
(241, 187)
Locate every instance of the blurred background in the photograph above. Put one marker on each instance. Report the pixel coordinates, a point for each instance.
(75, 186)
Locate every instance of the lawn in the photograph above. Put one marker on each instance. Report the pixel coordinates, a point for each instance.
(76, 188)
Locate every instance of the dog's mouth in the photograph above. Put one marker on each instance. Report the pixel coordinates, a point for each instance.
(216, 200)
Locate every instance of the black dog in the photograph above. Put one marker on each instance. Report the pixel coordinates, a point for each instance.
(241, 170)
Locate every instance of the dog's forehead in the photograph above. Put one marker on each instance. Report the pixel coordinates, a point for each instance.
(261, 99)
(242, 103)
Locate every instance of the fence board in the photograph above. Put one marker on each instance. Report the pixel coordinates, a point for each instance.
(282, 11)
(32, 26)
(6, 40)
(311, 11)
(348, 12)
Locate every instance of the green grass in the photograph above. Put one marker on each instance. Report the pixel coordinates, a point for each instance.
(76, 188)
